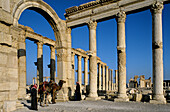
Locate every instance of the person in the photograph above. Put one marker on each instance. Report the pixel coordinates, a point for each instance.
(34, 97)
(78, 94)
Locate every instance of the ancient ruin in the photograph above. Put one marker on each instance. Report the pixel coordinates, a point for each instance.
(13, 51)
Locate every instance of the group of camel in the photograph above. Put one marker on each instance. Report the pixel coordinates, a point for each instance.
(49, 89)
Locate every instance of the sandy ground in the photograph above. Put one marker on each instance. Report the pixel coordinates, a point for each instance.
(97, 106)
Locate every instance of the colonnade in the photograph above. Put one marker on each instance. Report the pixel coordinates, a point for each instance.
(105, 78)
(81, 54)
(39, 63)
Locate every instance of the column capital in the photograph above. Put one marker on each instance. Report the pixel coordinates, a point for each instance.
(79, 57)
(52, 48)
(86, 59)
(21, 39)
(92, 24)
(121, 17)
(40, 43)
(157, 7)
(73, 53)
(68, 29)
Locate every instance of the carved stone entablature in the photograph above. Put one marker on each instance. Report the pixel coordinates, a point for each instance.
(92, 24)
(61, 57)
(120, 49)
(87, 6)
(81, 50)
(157, 7)
(157, 45)
(121, 17)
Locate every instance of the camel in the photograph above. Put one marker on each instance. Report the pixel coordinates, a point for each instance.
(49, 87)
(55, 88)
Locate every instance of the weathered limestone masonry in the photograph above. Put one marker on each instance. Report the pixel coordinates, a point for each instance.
(101, 10)
(12, 49)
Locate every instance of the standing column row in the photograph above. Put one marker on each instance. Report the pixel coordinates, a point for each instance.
(103, 78)
(40, 63)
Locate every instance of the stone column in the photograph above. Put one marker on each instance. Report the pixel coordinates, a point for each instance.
(21, 67)
(103, 74)
(85, 72)
(69, 61)
(107, 81)
(39, 62)
(111, 75)
(52, 64)
(157, 53)
(93, 61)
(121, 51)
(79, 70)
(73, 72)
(100, 76)
(116, 79)
(111, 71)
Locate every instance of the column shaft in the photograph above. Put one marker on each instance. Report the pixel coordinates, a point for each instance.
(104, 84)
(39, 62)
(21, 66)
(79, 70)
(85, 72)
(111, 75)
(157, 52)
(116, 79)
(93, 60)
(121, 52)
(107, 81)
(69, 61)
(100, 76)
(52, 64)
(73, 69)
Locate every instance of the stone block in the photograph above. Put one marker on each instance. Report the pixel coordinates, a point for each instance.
(5, 39)
(13, 95)
(9, 106)
(3, 28)
(3, 58)
(12, 61)
(3, 96)
(6, 5)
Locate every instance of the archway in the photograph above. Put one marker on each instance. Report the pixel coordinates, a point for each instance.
(58, 26)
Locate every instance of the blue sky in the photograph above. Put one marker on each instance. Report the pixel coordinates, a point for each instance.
(138, 39)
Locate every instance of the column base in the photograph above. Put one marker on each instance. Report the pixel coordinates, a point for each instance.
(61, 97)
(158, 99)
(157, 102)
(122, 98)
(93, 98)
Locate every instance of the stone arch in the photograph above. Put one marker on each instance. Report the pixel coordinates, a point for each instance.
(47, 12)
